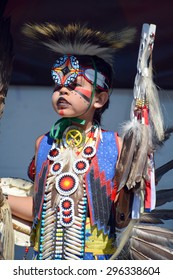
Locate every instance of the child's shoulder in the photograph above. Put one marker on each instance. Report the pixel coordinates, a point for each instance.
(113, 132)
(118, 138)
(39, 138)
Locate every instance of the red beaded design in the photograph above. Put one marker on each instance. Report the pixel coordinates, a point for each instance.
(66, 211)
(66, 183)
(80, 166)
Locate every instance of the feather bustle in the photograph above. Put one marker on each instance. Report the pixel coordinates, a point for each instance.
(151, 250)
(164, 196)
(136, 255)
(164, 214)
(154, 234)
(152, 242)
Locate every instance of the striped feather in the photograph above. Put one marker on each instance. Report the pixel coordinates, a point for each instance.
(153, 242)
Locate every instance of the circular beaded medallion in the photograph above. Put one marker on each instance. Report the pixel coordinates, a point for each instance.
(67, 183)
(80, 166)
(66, 211)
(89, 151)
(56, 168)
(53, 154)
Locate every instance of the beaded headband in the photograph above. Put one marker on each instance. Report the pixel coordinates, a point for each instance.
(67, 68)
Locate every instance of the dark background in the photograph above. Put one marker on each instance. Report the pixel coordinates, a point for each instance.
(32, 66)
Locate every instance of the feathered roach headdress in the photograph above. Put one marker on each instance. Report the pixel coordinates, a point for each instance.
(77, 40)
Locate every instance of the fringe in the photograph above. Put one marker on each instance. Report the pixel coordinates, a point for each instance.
(6, 232)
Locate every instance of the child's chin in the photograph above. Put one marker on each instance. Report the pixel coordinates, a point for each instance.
(63, 114)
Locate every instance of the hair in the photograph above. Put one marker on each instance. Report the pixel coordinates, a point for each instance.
(101, 66)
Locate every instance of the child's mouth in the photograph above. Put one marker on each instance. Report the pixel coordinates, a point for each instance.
(62, 103)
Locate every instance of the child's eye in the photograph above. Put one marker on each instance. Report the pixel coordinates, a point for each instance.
(57, 87)
(74, 85)
(71, 86)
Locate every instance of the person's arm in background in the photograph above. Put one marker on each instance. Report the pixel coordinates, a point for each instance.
(21, 207)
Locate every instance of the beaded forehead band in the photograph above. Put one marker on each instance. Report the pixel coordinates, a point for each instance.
(67, 68)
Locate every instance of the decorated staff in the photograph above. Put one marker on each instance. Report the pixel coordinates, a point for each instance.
(135, 172)
(143, 133)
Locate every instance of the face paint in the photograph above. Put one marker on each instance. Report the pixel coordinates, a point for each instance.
(61, 112)
(84, 93)
(66, 70)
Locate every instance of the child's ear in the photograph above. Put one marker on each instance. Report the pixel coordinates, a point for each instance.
(100, 99)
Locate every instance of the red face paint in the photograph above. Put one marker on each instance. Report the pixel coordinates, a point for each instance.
(61, 112)
(85, 92)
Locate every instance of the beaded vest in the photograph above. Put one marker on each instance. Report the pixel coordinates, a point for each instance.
(66, 225)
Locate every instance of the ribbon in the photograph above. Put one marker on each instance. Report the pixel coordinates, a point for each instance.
(62, 124)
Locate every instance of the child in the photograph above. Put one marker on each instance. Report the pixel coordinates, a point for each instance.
(76, 207)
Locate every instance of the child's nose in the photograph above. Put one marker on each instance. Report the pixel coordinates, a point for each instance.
(64, 91)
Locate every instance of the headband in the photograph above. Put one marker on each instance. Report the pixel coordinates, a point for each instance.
(67, 68)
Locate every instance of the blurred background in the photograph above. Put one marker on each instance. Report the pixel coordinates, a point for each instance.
(28, 111)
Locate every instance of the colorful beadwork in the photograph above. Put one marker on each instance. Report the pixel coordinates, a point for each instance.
(62, 227)
(89, 151)
(80, 166)
(53, 154)
(66, 183)
(66, 211)
(65, 70)
(56, 168)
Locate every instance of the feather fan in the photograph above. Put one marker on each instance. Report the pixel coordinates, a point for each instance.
(145, 131)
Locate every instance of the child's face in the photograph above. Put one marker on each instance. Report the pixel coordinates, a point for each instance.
(75, 100)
